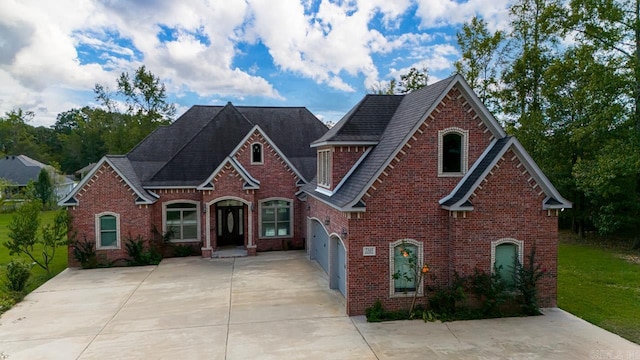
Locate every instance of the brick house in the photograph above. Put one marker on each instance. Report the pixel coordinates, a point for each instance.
(431, 172)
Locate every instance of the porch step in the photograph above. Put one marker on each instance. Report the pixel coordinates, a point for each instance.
(230, 252)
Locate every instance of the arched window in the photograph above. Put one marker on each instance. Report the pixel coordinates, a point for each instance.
(506, 254)
(405, 261)
(256, 153)
(452, 152)
(107, 231)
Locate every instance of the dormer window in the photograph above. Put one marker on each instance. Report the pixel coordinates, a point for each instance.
(256, 153)
(453, 157)
(324, 168)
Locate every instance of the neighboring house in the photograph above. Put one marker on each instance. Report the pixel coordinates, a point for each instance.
(430, 173)
(21, 169)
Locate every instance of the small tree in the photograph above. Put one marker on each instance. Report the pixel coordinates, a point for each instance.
(415, 272)
(43, 188)
(23, 234)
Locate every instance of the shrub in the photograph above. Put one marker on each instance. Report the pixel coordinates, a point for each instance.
(139, 255)
(182, 250)
(18, 273)
(85, 253)
(527, 283)
(444, 301)
(491, 291)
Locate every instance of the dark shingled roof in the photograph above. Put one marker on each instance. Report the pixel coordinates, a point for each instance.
(20, 169)
(186, 152)
(366, 121)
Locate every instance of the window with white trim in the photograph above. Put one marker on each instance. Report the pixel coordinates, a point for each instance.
(181, 221)
(275, 218)
(453, 152)
(405, 263)
(256, 153)
(107, 230)
(505, 255)
(324, 168)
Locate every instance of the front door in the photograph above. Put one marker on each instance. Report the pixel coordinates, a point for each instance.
(230, 225)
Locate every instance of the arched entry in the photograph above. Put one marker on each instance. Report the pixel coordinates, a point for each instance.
(232, 216)
(338, 277)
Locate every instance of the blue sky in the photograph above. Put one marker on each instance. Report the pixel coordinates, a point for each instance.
(322, 54)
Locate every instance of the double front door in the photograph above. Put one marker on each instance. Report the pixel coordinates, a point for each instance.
(230, 225)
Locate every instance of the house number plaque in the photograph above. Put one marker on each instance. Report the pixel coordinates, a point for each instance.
(369, 251)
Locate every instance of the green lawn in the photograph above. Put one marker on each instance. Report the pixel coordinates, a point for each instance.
(38, 275)
(599, 286)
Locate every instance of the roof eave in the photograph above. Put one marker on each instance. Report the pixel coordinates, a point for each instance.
(343, 143)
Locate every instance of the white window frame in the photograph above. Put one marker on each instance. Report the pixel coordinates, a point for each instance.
(291, 217)
(494, 244)
(392, 268)
(324, 168)
(198, 220)
(99, 231)
(464, 157)
(261, 162)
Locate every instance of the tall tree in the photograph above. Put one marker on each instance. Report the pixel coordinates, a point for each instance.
(146, 109)
(533, 39)
(482, 53)
(413, 80)
(43, 189)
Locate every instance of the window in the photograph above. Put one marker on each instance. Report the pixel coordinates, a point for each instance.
(453, 152)
(275, 218)
(256, 153)
(181, 219)
(324, 168)
(107, 231)
(504, 254)
(405, 260)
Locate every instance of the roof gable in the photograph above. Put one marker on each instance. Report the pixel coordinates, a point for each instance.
(249, 182)
(122, 166)
(458, 199)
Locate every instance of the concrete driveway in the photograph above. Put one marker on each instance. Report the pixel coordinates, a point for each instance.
(273, 306)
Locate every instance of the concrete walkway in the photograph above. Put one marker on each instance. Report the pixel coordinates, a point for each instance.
(273, 306)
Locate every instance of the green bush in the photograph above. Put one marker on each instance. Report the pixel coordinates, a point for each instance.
(491, 291)
(444, 301)
(18, 273)
(182, 250)
(85, 253)
(138, 253)
(527, 283)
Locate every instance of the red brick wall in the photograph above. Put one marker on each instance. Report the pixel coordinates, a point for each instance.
(106, 191)
(403, 204)
(277, 180)
(507, 206)
(343, 159)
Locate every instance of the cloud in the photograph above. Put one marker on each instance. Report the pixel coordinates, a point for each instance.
(51, 57)
(440, 13)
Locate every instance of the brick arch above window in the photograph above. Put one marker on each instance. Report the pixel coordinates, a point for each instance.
(519, 246)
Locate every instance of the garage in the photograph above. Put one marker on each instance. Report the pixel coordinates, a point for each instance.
(339, 266)
(319, 245)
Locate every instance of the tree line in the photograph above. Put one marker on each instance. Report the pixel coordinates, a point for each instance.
(82, 136)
